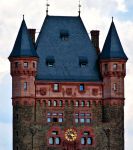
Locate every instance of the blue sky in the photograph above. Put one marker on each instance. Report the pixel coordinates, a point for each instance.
(95, 15)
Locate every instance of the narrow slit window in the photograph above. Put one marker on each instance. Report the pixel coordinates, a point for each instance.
(25, 86)
(115, 86)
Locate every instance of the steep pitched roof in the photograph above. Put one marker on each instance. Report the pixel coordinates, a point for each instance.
(23, 46)
(64, 41)
(112, 48)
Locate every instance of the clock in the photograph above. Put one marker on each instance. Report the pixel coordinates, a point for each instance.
(70, 135)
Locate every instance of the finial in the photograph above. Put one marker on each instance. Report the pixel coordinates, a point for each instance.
(47, 5)
(112, 18)
(23, 16)
(79, 8)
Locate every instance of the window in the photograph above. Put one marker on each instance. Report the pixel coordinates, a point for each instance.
(16, 64)
(55, 103)
(123, 67)
(49, 103)
(77, 103)
(51, 141)
(88, 120)
(60, 103)
(88, 103)
(86, 133)
(56, 87)
(25, 64)
(82, 120)
(83, 61)
(83, 141)
(55, 132)
(89, 141)
(64, 35)
(115, 86)
(34, 65)
(57, 140)
(81, 87)
(25, 86)
(48, 119)
(50, 61)
(55, 119)
(60, 119)
(82, 103)
(76, 120)
(114, 67)
(17, 133)
(106, 67)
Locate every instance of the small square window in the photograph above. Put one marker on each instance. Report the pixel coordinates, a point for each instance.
(82, 120)
(56, 87)
(60, 119)
(88, 120)
(25, 64)
(81, 87)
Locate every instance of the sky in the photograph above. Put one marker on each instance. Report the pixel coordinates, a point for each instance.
(96, 14)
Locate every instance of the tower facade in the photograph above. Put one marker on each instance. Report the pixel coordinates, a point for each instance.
(67, 95)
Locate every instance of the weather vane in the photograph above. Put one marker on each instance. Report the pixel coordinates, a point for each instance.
(79, 8)
(47, 5)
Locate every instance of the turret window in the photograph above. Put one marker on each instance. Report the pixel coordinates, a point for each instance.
(17, 64)
(115, 86)
(123, 67)
(25, 64)
(114, 67)
(25, 86)
(106, 67)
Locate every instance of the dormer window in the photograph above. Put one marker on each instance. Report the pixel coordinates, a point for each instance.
(81, 87)
(50, 61)
(64, 35)
(83, 61)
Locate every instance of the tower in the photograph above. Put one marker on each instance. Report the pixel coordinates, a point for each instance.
(23, 71)
(66, 94)
(113, 69)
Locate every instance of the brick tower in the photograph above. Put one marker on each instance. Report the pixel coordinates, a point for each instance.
(66, 94)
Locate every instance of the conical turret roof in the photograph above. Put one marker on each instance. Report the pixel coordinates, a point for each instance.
(112, 48)
(23, 46)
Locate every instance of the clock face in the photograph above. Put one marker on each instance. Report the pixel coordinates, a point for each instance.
(70, 135)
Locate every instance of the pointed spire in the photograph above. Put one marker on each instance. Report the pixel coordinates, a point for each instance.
(47, 6)
(79, 8)
(23, 46)
(112, 48)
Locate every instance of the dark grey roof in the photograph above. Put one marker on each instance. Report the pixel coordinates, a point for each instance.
(23, 46)
(112, 48)
(65, 52)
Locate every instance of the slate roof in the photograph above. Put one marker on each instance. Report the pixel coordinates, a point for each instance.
(23, 46)
(66, 52)
(112, 48)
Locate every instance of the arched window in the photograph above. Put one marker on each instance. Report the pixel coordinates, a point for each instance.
(57, 140)
(60, 104)
(82, 103)
(51, 141)
(83, 141)
(89, 141)
(77, 103)
(49, 103)
(55, 103)
(88, 104)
